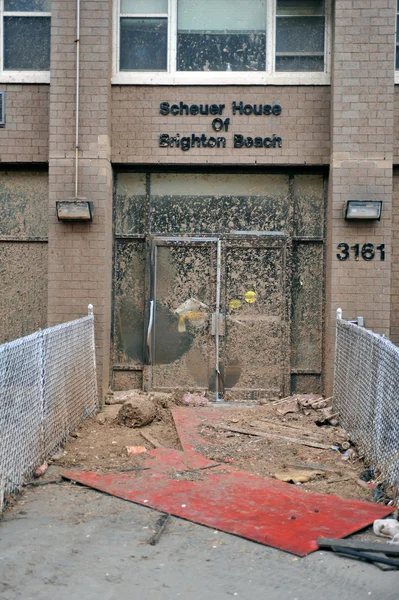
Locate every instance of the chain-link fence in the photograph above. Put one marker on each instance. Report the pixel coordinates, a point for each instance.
(366, 395)
(47, 388)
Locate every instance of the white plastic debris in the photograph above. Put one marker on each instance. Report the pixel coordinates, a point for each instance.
(387, 528)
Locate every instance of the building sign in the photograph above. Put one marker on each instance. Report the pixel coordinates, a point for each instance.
(220, 125)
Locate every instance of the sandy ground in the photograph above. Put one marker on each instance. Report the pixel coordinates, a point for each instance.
(70, 542)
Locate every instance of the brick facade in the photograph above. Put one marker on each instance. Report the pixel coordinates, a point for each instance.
(350, 127)
(80, 255)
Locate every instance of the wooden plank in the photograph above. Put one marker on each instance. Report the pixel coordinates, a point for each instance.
(312, 434)
(150, 439)
(364, 546)
(273, 436)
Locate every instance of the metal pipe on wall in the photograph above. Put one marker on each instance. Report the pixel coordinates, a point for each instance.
(77, 97)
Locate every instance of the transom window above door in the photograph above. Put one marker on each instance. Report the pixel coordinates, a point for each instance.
(222, 41)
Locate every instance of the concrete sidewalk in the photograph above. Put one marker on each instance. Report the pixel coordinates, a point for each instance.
(68, 542)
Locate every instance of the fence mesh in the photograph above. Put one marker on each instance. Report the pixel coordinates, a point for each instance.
(366, 395)
(47, 388)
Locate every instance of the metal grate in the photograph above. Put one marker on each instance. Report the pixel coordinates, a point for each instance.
(47, 388)
(366, 395)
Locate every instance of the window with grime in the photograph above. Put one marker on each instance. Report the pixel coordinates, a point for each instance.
(221, 41)
(25, 30)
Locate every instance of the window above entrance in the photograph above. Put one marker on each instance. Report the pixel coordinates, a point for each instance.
(222, 42)
(25, 47)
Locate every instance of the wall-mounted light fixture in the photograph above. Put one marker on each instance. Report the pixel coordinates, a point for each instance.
(363, 210)
(74, 210)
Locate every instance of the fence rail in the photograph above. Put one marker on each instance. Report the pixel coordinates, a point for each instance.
(47, 388)
(366, 395)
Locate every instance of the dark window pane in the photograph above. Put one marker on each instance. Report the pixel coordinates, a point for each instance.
(143, 44)
(300, 7)
(299, 63)
(300, 34)
(27, 5)
(221, 52)
(27, 43)
(397, 57)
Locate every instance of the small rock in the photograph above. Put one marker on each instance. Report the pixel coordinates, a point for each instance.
(40, 470)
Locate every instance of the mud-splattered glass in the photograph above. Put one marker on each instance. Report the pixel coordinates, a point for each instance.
(144, 35)
(26, 43)
(300, 35)
(27, 5)
(222, 35)
(26, 35)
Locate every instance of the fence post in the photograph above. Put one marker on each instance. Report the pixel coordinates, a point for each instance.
(41, 393)
(90, 312)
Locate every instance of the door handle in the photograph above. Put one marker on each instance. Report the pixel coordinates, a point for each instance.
(149, 331)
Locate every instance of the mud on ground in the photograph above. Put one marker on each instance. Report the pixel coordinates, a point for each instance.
(265, 457)
(101, 446)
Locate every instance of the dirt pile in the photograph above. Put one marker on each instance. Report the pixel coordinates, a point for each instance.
(101, 442)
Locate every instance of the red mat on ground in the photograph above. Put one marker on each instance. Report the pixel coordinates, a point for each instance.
(263, 510)
(188, 422)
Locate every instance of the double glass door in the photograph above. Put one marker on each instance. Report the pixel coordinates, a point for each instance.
(218, 315)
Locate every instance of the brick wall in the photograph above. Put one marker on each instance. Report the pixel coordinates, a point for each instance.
(362, 153)
(80, 255)
(25, 137)
(303, 125)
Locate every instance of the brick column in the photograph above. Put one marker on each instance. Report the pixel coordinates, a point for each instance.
(362, 158)
(80, 255)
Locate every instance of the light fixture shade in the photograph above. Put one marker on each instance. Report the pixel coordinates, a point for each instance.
(74, 210)
(363, 210)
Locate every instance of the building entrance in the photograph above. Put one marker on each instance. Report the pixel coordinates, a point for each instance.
(219, 283)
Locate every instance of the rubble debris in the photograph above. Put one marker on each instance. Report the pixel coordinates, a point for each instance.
(350, 454)
(298, 476)
(137, 413)
(132, 450)
(388, 528)
(160, 527)
(281, 425)
(126, 396)
(275, 436)
(367, 475)
(291, 407)
(195, 400)
(380, 553)
(380, 494)
(40, 470)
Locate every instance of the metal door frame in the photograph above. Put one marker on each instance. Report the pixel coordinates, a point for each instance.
(240, 238)
(153, 242)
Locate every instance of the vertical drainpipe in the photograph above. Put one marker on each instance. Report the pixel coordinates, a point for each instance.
(77, 97)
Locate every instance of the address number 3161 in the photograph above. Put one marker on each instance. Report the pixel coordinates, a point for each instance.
(367, 251)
